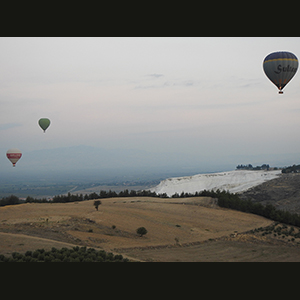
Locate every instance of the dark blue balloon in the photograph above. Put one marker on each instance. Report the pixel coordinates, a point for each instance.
(280, 68)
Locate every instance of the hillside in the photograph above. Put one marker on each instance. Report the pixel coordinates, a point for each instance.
(233, 181)
(283, 192)
(80, 224)
(188, 229)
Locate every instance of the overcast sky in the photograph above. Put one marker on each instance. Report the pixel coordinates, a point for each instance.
(199, 96)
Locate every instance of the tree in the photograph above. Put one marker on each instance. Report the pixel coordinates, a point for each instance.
(97, 203)
(141, 231)
(93, 196)
(11, 200)
(29, 199)
(103, 194)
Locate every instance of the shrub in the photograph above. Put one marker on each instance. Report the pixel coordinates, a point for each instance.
(35, 254)
(41, 256)
(118, 257)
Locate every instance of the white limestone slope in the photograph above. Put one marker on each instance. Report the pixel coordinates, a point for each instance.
(232, 181)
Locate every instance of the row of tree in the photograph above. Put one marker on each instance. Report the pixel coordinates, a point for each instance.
(291, 169)
(250, 167)
(12, 200)
(233, 201)
(103, 194)
(74, 254)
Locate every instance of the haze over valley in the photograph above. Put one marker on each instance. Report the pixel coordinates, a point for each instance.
(48, 172)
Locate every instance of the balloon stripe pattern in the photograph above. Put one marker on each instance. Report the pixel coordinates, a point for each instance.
(280, 68)
(14, 155)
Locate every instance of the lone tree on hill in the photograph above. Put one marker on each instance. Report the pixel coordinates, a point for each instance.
(141, 231)
(97, 203)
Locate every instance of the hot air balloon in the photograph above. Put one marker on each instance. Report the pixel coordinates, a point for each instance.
(14, 155)
(44, 123)
(280, 68)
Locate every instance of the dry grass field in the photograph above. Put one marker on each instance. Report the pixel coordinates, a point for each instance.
(189, 229)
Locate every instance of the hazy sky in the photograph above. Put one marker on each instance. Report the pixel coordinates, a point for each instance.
(204, 97)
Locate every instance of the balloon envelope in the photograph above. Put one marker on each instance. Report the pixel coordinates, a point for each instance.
(280, 68)
(13, 155)
(44, 123)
